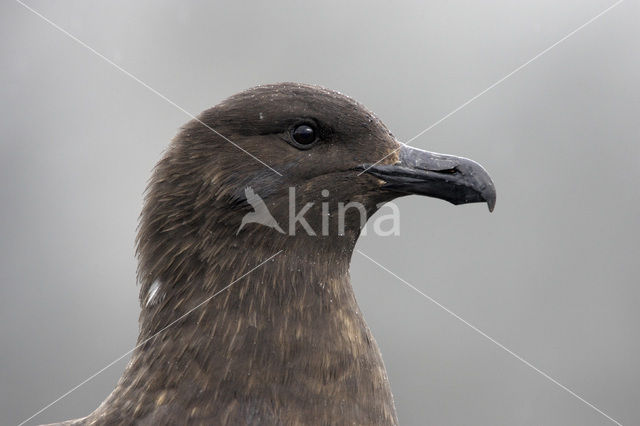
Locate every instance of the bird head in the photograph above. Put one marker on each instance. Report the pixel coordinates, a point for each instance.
(271, 139)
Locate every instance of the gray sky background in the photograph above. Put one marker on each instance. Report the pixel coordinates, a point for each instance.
(552, 273)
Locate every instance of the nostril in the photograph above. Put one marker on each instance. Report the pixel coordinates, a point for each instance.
(451, 171)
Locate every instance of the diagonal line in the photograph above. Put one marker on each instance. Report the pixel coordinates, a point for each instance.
(204, 302)
(128, 74)
(500, 345)
(496, 83)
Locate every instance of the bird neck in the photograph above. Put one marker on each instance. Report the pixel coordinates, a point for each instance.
(280, 278)
(285, 333)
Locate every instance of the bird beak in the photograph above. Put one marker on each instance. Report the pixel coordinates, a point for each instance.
(454, 179)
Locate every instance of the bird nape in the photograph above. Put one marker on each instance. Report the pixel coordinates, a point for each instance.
(290, 170)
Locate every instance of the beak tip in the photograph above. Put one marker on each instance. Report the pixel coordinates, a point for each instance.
(491, 200)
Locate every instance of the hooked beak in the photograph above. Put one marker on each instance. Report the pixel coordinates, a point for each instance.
(454, 179)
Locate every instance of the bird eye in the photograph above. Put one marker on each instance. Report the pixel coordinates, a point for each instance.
(304, 135)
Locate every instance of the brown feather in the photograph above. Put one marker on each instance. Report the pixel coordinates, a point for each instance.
(287, 344)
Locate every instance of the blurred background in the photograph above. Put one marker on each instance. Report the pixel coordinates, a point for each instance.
(552, 274)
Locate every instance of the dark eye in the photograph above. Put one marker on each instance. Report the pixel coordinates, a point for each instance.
(303, 135)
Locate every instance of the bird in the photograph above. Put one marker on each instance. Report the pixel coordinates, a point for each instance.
(247, 324)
